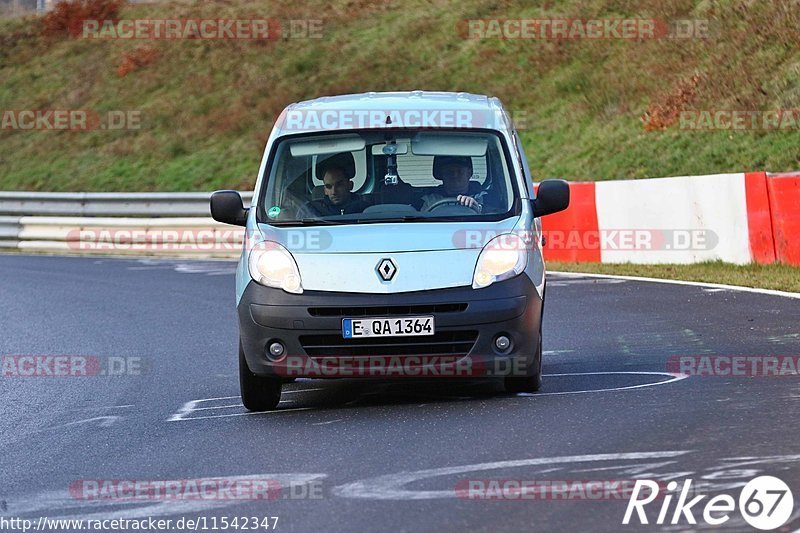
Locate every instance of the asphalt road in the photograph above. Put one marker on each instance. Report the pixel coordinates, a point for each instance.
(374, 456)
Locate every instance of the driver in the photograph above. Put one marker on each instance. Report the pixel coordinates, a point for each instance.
(454, 172)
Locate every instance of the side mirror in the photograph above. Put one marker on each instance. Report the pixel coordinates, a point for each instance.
(227, 207)
(551, 197)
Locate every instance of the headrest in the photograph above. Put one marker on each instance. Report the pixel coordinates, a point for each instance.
(342, 160)
(441, 161)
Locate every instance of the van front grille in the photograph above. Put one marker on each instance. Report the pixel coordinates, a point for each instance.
(387, 310)
(441, 343)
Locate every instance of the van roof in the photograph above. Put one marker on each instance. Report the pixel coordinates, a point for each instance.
(429, 109)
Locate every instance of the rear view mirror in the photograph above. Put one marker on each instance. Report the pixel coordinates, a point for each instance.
(227, 207)
(390, 149)
(551, 197)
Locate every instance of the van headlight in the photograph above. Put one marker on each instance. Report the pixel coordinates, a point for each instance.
(272, 265)
(503, 257)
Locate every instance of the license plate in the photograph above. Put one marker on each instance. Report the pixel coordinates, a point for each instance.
(354, 328)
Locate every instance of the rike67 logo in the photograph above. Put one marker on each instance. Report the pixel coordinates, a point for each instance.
(765, 503)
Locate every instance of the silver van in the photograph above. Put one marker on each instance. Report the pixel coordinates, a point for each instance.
(391, 235)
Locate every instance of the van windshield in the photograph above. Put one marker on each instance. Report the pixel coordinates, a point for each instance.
(394, 176)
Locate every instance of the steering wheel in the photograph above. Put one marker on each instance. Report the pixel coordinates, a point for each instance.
(450, 201)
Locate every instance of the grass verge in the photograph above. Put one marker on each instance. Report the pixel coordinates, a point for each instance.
(777, 277)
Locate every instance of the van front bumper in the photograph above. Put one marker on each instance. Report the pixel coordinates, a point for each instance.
(467, 324)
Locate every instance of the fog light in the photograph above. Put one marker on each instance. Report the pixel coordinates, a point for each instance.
(502, 343)
(276, 350)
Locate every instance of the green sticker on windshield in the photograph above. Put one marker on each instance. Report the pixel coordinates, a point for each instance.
(274, 211)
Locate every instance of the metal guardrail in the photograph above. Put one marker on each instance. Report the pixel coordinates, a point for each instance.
(9, 231)
(175, 224)
(88, 204)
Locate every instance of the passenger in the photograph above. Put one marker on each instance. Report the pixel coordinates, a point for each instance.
(339, 196)
(455, 173)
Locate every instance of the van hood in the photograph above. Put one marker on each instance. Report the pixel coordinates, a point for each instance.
(423, 256)
(386, 237)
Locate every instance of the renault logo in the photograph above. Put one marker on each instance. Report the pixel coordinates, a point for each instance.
(386, 269)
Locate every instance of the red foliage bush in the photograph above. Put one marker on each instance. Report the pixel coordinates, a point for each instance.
(661, 115)
(136, 59)
(67, 16)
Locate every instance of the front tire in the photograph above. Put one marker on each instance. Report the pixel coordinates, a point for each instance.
(259, 393)
(532, 381)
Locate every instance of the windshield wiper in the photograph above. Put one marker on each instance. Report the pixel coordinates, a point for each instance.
(404, 218)
(304, 222)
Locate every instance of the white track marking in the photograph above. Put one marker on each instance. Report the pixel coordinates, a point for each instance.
(328, 422)
(185, 411)
(216, 407)
(565, 282)
(102, 408)
(391, 486)
(248, 413)
(771, 292)
(191, 407)
(104, 421)
(675, 377)
(220, 398)
(230, 406)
